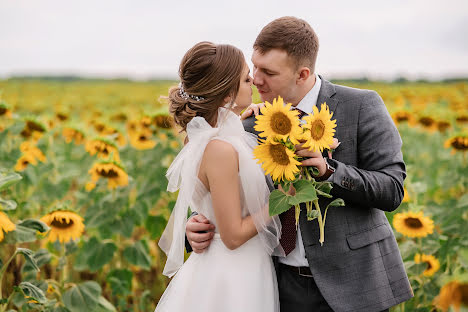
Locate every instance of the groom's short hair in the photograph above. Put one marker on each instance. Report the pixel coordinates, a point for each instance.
(293, 35)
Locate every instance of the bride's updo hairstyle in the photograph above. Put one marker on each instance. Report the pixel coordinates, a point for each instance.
(208, 74)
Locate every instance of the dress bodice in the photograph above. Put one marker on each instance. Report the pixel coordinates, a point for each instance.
(202, 203)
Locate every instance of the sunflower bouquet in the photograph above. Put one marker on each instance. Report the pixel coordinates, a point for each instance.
(280, 130)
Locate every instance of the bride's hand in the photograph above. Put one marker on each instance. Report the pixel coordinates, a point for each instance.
(253, 108)
(199, 232)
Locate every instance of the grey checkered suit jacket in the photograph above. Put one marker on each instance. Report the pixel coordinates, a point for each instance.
(359, 267)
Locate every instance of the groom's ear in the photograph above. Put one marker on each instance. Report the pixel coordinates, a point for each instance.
(303, 73)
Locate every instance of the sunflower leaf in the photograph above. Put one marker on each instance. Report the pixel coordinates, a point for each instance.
(319, 192)
(99, 254)
(7, 204)
(312, 214)
(34, 225)
(155, 225)
(336, 203)
(104, 305)
(83, 297)
(21, 234)
(325, 187)
(120, 281)
(29, 257)
(305, 192)
(8, 180)
(138, 254)
(31, 291)
(278, 203)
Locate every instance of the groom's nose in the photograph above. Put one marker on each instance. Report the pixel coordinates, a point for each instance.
(257, 79)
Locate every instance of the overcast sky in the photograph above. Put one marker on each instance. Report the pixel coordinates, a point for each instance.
(144, 39)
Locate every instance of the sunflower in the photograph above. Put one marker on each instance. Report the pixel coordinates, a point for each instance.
(62, 116)
(427, 122)
(114, 135)
(433, 265)
(453, 294)
(457, 143)
(406, 197)
(33, 129)
(65, 225)
(413, 224)
(319, 129)
(142, 140)
(462, 119)
(23, 162)
(443, 125)
(277, 160)
(162, 137)
(5, 225)
(31, 149)
(5, 110)
(401, 117)
(113, 172)
(103, 148)
(278, 122)
(72, 134)
(174, 144)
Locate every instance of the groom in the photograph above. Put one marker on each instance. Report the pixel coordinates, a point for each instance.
(359, 267)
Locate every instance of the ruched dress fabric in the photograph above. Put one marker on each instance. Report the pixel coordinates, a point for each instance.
(220, 279)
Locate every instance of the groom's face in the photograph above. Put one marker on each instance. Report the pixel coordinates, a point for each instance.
(274, 75)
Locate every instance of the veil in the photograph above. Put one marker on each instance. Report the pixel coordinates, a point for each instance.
(184, 170)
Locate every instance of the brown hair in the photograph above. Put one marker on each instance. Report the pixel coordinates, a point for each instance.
(210, 72)
(293, 35)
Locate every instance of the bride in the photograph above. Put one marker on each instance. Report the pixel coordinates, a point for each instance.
(217, 176)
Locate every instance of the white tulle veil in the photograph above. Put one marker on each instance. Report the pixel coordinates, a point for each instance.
(184, 170)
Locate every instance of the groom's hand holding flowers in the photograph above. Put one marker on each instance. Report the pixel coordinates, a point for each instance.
(312, 158)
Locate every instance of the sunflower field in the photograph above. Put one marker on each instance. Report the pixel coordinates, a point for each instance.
(83, 196)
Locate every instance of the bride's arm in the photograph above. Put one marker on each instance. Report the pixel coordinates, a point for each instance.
(220, 164)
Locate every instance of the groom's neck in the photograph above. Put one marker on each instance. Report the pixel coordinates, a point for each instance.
(302, 90)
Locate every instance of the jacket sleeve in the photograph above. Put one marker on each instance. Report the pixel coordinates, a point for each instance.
(377, 180)
(187, 244)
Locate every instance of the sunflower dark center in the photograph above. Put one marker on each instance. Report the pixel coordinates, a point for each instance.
(279, 155)
(459, 144)
(105, 150)
(464, 293)
(413, 223)
(402, 117)
(34, 126)
(280, 123)
(3, 110)
(426, 121)
(317, 129)
(462, 119)
(429, 265)
(108, 174)
(61, 224)
(142, 138)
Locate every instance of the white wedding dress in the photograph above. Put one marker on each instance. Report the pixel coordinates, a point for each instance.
(220, 279)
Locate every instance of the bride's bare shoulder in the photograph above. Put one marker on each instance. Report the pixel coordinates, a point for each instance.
(217, 149)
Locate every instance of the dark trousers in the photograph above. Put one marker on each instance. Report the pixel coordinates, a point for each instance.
(299, 293)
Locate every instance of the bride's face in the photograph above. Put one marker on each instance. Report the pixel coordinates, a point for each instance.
(244, 96)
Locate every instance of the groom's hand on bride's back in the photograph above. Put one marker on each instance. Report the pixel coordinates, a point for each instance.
(199, 232)
(253, 108)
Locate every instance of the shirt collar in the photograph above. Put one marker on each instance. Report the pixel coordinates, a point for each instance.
(310, 99)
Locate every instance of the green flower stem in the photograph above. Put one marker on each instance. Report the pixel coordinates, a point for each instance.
(3, 270)
(64, 269)
(3, 307)
(320, 222)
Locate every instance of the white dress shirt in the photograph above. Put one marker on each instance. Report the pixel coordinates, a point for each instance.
(297, 257)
